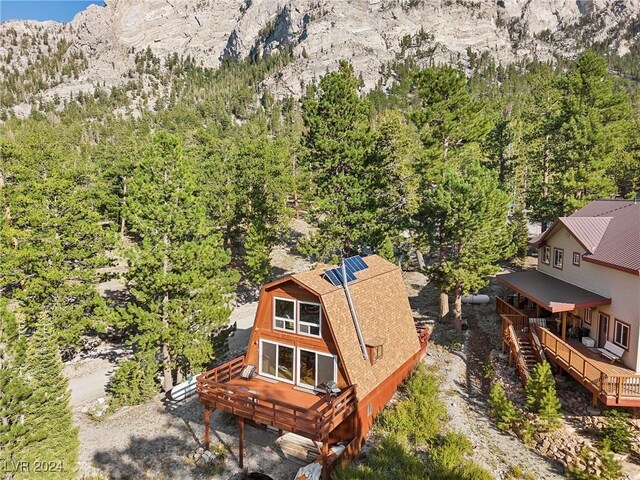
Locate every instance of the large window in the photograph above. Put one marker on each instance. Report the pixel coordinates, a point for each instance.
(621, 334)
(315, 368)
(546, 253)
(276, 360)
(558, 257)
(284, 314)
(309, 318)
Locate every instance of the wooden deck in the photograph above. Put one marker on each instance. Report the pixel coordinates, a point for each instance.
(278, 404)
(612, 384)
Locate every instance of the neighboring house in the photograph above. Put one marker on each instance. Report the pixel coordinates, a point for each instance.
(327, 356)
(588, 277)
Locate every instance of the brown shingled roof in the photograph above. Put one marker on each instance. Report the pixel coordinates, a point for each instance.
(609, 230)
(384, 314)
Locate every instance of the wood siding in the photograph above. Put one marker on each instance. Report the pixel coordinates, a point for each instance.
(263, 328)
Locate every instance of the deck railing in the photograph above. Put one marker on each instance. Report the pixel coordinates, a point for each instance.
(504, 307)
(314, 423)
(512, 326)
(611, 389)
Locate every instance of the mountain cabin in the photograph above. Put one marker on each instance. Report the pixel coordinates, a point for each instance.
(328, 349)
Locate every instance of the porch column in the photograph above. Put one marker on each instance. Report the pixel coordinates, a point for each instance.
(241, 446)
(563, 317)
(537, 311)
(325, 459)
(207, 417)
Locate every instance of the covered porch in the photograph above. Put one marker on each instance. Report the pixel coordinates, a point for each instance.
(553, 302)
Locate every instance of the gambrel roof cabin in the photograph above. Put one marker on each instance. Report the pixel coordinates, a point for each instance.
(328, 354)
(584, 299)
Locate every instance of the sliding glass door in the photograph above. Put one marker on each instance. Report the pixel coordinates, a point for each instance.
(276, 360)
(315, 368)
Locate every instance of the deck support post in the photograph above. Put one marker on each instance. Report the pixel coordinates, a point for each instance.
(241, 446)
(563, 316)
(325, 459)
(594, 399)
(207, 418)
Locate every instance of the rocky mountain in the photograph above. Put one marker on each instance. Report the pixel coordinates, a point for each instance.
(99, 47)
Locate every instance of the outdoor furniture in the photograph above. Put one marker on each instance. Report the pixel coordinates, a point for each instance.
(612, 351)
(572, 332)
(248, 372)
(588, 342)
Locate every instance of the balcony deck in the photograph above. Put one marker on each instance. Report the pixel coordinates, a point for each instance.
(278, 404)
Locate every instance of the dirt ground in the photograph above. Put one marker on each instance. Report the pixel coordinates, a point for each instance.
(158, 439)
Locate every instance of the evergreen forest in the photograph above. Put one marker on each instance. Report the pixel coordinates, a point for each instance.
(194, 189)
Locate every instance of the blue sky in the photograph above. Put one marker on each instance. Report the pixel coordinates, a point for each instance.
(59, 10)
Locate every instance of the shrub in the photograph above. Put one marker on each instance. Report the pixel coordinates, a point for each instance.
(610, 468)
(616, 431)
(447, 459)
(419, 417)
(503, 411)
(133, 383)
(391, 460)
(525, 432)
(540, 381)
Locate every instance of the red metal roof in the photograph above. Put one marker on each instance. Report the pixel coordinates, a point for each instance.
(619, 246)
(609, 230)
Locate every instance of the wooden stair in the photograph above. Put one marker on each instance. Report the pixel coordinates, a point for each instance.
(526, 351)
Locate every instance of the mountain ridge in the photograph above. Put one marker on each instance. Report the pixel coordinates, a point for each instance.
(319, 33)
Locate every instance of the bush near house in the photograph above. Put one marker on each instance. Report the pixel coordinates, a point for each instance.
(413, 446)
(617, 431)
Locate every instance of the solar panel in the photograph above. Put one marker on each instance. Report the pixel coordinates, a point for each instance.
(332, 277)
(351, 265)
(356, 263)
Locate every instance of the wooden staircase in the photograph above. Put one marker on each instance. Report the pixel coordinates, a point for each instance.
(526, 350)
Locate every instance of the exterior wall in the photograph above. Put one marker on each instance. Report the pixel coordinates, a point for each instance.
(623, 288)
(263, 328)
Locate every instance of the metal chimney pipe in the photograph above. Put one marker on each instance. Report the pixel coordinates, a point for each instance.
(345, 285)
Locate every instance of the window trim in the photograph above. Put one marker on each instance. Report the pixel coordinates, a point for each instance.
(275, 377)
(326, 354)
(588, 315)
(624, 324)
(300, 322)
(556, 249)
(546, 250)
(577, 264)
(294, 319)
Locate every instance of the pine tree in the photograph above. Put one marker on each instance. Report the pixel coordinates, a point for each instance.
(178, 273)
(452, 126)
(503, 411)
(540, 381)
(617, 431)
(549, 410)
(49, 433)
(337, 144)
(464, 218)
(258, 258)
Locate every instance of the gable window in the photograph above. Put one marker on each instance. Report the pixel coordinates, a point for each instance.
(576, 259)
(309, 319)
(558, 257)
(621, 334)
(284, 314)
(276, 361)
(316, 368)
(546, 253)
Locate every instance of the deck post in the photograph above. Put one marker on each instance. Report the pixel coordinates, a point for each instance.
(563, 316)
(241, 446)
(594, 399)
(207, 418)
(325, 459)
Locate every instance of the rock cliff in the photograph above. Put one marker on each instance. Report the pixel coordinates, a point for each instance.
(368, 33)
